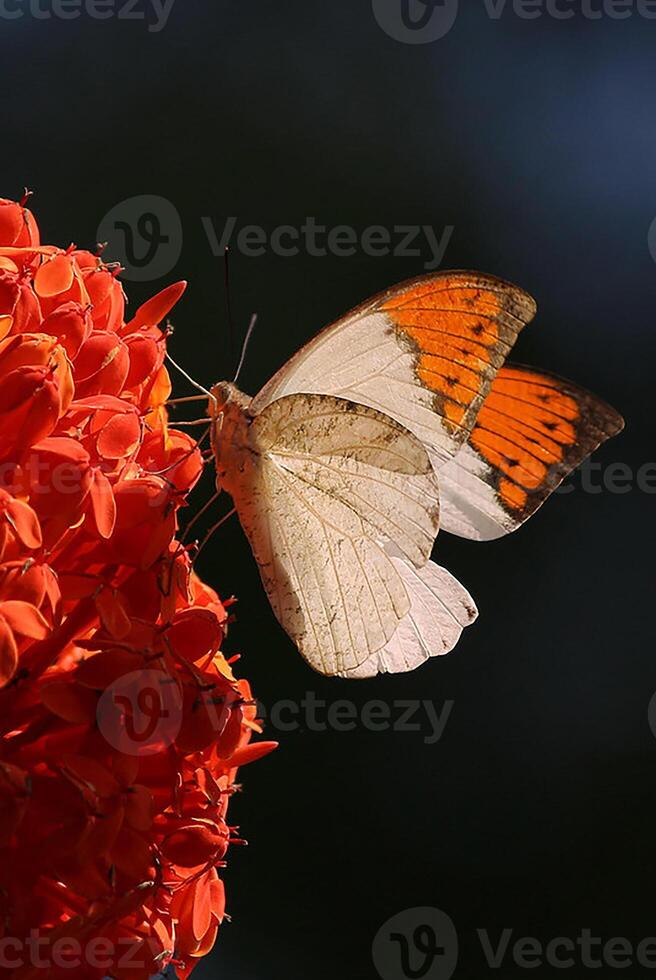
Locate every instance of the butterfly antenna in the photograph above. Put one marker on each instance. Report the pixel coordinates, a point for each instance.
(228, 302)
(191, 381)
(195, 519)
(212, 531)
(249, 334)
(196, 446)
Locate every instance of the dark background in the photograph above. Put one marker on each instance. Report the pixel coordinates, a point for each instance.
(536, 140)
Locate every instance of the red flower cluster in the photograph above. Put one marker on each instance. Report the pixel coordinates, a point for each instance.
(121, 723)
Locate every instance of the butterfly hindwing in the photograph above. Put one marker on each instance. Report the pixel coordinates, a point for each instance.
(331, 482)
(440, 609)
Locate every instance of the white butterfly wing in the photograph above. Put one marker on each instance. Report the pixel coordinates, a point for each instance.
(331, 481)
(440, 609)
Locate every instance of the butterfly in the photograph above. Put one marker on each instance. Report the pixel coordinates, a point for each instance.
(399, 420)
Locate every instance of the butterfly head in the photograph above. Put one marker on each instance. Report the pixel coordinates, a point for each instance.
(225, 397)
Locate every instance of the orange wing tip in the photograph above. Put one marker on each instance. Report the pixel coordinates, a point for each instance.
(461, 326)
(462, 288)
(535, 428)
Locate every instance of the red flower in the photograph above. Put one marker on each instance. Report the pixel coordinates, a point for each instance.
(122, 725)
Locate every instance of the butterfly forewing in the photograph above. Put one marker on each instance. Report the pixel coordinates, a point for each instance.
(424, 353)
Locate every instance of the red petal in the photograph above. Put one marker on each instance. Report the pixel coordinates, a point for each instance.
(30, 406)
(8, 653)
(99, 283)
(202, 910)
(101, 366)
(103, 504)
(119, 437)
(157, 308)
(132, 855)
(114, 617)
(25, 523)
(193, 846)
(218, 899)
(194, 634)
(77, 585)
(139, 808)
(105, 668)
(24, 618)
(182, 910)
(71, 324)
(207, 944)
(54, 276)
(125, 768)
(142, 596)
(146, 356)
(62, 446)
(27, 313)
(69, 701)
(92, 774)
(227, 745)
(107, 403)
(11, 222)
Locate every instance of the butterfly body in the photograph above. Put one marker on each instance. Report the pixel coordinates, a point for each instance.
(230, 436)
(395, 419)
